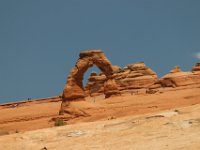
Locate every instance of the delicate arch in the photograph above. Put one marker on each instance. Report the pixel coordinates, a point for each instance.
(74, 90)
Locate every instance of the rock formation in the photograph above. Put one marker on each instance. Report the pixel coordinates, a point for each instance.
(177, 78)
(136, 76)
(74, 90)
(196, 68)
(132, 76)
(95, 85)
(176, 69)
(114, 80)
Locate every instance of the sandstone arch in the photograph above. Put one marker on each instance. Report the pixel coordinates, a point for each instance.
(74, 90)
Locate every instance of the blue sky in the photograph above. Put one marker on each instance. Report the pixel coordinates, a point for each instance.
(40, 40)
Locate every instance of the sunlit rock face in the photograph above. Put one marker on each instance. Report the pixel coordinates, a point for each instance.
(177, 78)
(114, 80)
(196, 68)
(74, 90)
(136, 76)
(132, 76)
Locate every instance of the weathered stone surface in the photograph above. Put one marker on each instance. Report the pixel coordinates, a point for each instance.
(112, 79)
(139, 76)
(132, 76)
(196, 67)
(116, 69)
(95, 85)
(176, 77)
(74, 90)
(176, 69)
(136, 76)
(140, 67)
(110, 84)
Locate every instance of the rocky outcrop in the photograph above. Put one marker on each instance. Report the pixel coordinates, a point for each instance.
(177, 78)
(136, 76)
(196, 68)
(113, 80)
(132, 76)
(74, 90)
(95, 85)
(175, 69)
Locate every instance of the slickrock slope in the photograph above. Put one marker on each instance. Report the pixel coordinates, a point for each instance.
(173, 129)
(133, 92)
(32, 115)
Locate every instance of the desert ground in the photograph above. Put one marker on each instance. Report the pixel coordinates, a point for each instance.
(168, 119)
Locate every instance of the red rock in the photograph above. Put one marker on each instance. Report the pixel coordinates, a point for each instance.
(132, 76)
(177, 78)
(176, 69)
(196, 67)
(74, 90)
(113, 79)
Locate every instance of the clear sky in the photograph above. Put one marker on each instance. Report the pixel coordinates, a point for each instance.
(40, 40)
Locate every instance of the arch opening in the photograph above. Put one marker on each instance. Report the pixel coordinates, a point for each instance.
(74, 89)
(91, 71)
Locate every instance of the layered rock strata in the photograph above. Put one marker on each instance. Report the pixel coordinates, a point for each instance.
(139, 76)
(177, 78)
(132, 76)
(136, 76)
(113, 80)
(196, 68)
(74, 90)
